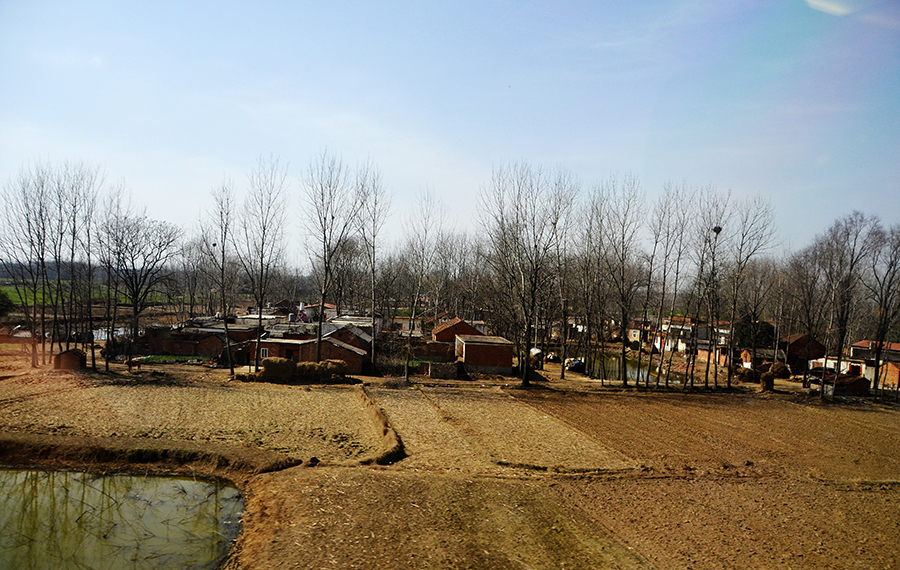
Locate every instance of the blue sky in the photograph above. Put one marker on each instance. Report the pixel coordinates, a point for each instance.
(797, 100)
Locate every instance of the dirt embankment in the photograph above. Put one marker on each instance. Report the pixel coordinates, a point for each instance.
(573, 476)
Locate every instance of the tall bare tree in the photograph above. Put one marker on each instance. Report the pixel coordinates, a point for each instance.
(808, 296)
(259, 241)
(375, 206)
(26, 248)
(144, 249)
(676, 203)
(623, 204)
(844, 248)
(522, 211)
(882, 283)
(715, 211)
(216, 243)
(755, 233)
(334, 207)
(422, 235)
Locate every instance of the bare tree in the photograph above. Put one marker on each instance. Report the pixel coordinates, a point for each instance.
(758, 281)
(522, 213)
(564, 185)
(713, 219)
(844, 248)
(623, 205)
(259, 241)
(375, 205)
(882, 283)
(108, 245)
(144, 248)
(86, 184)
(423, 233)
(754, 235)
(676, 202)
(216, 246)
(807, 291)
(594, 284)
(26, 248)
(659, 238)
(333, 210)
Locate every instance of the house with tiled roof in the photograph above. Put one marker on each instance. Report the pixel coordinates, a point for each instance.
(447, 332)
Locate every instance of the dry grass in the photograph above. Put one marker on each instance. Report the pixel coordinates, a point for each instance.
(195, 405)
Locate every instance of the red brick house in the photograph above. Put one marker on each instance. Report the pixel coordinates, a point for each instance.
(447, 332)
(304, 351)
(889, 375)
(795, 347)
(207, 342)
(164, 340)
(489, 354)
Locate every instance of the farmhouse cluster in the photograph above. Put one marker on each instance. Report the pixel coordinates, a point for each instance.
(287, 333)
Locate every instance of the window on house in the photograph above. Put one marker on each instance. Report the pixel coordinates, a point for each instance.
(264, 353)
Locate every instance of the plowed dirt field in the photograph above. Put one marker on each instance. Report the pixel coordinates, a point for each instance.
(566, 475)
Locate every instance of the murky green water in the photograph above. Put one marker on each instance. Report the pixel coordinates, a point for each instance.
(70, 520)
(614, 366)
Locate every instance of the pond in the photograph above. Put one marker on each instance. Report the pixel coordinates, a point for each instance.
(67, 520)
(614, 367)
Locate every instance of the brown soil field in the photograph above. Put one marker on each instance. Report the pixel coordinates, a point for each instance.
(565, 475)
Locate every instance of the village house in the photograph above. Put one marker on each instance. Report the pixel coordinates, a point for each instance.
(488, 354)
(303, 351)
(637, 333)
(447, 332)
(711, 342)
(795, 347)
(761, 358)
(202, 338)
(676, 334)
(861, 362)
(865, 349)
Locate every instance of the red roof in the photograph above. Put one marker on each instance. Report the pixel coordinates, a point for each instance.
(884, 346)
(447, 325)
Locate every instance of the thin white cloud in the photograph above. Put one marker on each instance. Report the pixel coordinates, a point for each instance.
(839, 7)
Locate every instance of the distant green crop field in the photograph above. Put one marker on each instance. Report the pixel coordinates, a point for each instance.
(99, 293)
(13, 295)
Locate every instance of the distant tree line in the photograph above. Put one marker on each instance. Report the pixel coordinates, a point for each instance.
(548, 252)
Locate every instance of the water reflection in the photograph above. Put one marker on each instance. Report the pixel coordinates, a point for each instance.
(69, 520)
(613, 369)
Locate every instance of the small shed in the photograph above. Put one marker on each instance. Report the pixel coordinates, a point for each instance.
(488, 354)
(848, 385)
(72, 359)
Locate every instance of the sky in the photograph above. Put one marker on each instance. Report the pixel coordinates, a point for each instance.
(796, 100)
